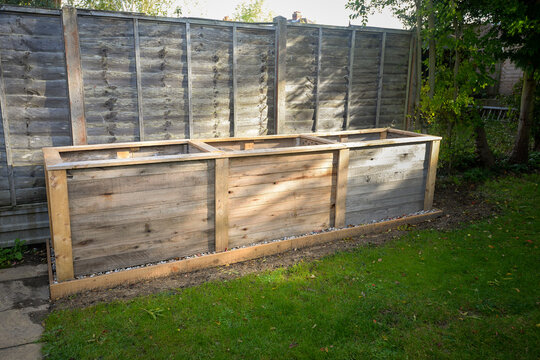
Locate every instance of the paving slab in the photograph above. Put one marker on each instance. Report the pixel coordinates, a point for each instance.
(21, 326)
(23, 272)
(23, 352)
(23, 293)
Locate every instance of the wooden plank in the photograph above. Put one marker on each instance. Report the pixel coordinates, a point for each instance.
(74, 75)
(341, 167)
(350, 80)
(60, 217)
(7, 137)
(317, 139)
(280, 79)
(138, 76)
(318, 82)
(431, 175)
(189, 80)
(66, 288)
(221, 201)
(383, 135)
(203, 146)
(235, 81)
(380, 84)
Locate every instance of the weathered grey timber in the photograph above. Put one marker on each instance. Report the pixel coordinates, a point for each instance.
(155, 78)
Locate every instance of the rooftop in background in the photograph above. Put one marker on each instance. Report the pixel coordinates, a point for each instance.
(297, 18)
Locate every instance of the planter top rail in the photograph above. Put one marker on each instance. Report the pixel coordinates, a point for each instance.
(121, 154)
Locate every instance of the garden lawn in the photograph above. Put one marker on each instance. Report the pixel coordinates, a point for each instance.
(472, 292)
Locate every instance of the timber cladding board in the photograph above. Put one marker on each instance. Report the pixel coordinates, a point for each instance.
(143, 79)
(140, 214)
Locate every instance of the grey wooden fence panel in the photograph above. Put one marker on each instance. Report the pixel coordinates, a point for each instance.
(333, 79)
(37, 103)
(110, 82)
(301, 79)
(163, 77)
(395, 79)
(211, 54)
(32, 53)
(255, 80)
(365, 80)
(5, 195)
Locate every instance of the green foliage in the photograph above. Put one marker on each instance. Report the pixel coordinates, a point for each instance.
(148, 7)
(9, 256)
(461, 294)
(252, 11)
(33, 3)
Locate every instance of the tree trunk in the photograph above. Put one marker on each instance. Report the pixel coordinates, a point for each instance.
(482, 147)
(432, 53)
(520, 152)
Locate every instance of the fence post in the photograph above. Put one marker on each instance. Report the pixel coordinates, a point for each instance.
(138, 77)
(350, 80)
(189, 84)
(280, 69)
(318, 82)
(381, 74)
(74, 75)
(407, 88)
(7, 139)
(235, 81)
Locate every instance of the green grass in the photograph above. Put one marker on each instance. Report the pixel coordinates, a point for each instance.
(466, 293)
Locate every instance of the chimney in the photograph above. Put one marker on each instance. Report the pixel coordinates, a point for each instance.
(297, 15)
(226, 18)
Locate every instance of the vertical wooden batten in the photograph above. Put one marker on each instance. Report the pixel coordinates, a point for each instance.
(280, 77)
(380, 84)
(318, 82)
(74, 75)
(342, 169)
(350, 80)
(59, 216)
(433, 158)
(7, 139)
(407, 88)
(189, 81)
(221, 193)
(234, 81)
(138, 76)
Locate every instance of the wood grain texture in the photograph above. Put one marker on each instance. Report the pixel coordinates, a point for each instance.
(221, 201)
(134, 215)
(342, 168)
(433, 158)
(135, 275)
(74, 75)
(60, 218)
(280, 74)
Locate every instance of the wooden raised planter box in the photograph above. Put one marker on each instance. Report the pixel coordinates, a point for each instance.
(171, 206)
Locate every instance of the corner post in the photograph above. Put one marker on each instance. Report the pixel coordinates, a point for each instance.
(57, 192)
(221, 199)
(280, 78)
(74, 75)
(433, 158)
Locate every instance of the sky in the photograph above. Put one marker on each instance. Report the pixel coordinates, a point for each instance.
(328, 12)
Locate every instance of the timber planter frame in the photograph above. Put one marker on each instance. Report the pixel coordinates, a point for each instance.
(140, 210)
